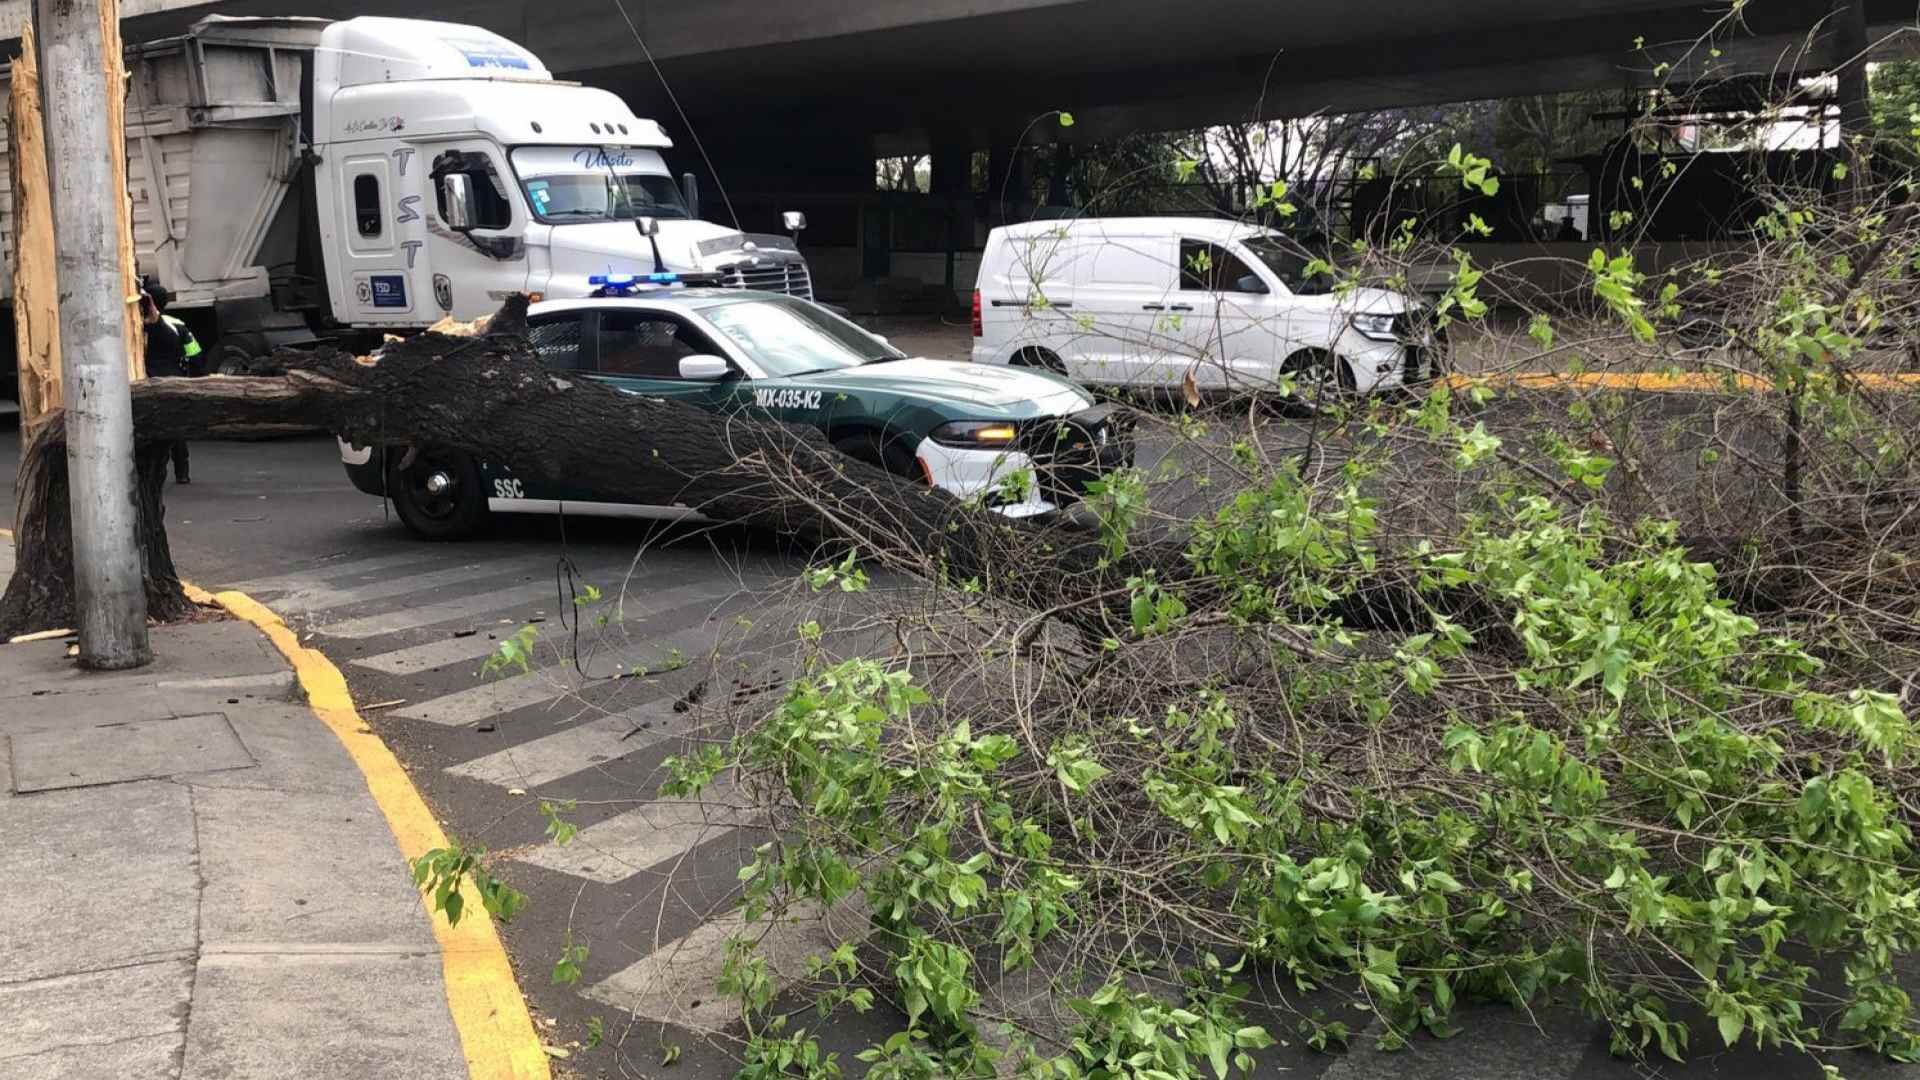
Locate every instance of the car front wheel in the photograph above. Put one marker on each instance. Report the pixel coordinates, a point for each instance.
(438, 496)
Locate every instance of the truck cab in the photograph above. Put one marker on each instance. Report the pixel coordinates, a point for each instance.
(554, 177)
(289, 180)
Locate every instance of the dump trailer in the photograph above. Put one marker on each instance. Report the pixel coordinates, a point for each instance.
(299, 179)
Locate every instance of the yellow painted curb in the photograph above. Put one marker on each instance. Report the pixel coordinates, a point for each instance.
(496, 1032)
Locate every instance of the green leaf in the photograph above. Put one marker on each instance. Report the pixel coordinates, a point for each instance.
(1732, 1022)
(1066, 119)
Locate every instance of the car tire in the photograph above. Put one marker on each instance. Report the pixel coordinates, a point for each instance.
(888, 454)
(1320, 379)
(438, 495)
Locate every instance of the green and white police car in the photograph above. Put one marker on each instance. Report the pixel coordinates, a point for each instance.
(967, 428)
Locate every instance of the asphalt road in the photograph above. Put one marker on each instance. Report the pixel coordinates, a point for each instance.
(646, 884)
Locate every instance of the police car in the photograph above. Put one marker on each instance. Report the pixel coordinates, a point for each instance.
(1022, 440)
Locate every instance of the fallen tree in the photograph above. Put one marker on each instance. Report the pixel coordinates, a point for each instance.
(1494, 739)
(487, 395)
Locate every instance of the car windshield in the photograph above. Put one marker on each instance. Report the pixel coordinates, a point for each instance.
(568, 184)
(1288, 261)
(794, 337)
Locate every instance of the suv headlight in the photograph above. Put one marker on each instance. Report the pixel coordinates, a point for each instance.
(1375, 327)
(975, 434)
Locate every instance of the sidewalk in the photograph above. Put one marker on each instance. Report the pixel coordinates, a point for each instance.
(199, 883)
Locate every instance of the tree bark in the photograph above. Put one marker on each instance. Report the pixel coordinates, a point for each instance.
(489, 397)
(40, 594)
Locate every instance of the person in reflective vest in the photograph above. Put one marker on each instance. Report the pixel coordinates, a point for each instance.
(172, 352)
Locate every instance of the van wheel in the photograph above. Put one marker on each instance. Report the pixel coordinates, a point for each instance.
(882, 453)
(438, 495)
(1039, 358)
(1320, 380)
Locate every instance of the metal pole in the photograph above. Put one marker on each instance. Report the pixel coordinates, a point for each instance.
(109, 593)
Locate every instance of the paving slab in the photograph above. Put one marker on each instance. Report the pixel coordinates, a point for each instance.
(43, 670)
(294, 752)
(113, 753)
(138, 1057)
(97, 877)
(229, 694)
(271, 1015)
(95, 1008)
(340, 881)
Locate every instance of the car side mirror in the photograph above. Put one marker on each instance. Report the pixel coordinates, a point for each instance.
(703, 367)
(1250, 283)
(648, 226)
(793, 220)
(456, 195)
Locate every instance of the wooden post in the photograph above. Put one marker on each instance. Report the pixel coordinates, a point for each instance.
(36, 315)
(83, 92)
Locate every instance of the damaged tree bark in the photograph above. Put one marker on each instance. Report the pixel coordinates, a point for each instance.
(489, 397)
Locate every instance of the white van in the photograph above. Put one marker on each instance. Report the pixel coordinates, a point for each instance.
(1144, 301)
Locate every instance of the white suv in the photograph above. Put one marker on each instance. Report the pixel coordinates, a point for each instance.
(1146, 301)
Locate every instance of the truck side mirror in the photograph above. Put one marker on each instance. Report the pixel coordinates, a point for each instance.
(648, 226)
(457, 201)
(794, 220)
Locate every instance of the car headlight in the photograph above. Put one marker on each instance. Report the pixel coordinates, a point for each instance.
(974, 434)
(1375, 327)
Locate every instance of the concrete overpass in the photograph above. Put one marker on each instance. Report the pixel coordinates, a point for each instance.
(796, 97)
(904, 69)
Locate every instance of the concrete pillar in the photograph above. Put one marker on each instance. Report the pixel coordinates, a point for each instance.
(952, 173)
(1847, 49)
(1009, 180)
(1059, 192)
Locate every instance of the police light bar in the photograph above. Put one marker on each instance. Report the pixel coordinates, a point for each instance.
(612, 284)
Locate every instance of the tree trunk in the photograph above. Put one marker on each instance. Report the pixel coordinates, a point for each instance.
(40, 595)
(487, 396)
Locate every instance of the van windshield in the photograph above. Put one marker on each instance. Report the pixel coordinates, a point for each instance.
(1288, 261)
(569, 184)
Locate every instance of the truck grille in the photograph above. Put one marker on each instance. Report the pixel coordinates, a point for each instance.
(787, 277)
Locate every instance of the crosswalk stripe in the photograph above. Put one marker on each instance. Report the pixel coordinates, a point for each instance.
(433, 654)
(531, 688)
(578, 748)
(332, 571)
(503, 601)
(319, 598)
(638, 604)
(652, 833)
(675, 983)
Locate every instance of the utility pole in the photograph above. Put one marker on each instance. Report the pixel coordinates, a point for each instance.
(83, 93)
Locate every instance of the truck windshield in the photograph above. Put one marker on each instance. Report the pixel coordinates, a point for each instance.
(793, 337)
(567, 184)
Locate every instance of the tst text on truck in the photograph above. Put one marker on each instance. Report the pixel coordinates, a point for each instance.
(291, 178)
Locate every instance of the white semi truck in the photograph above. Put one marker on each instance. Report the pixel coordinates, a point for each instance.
(295, 178)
